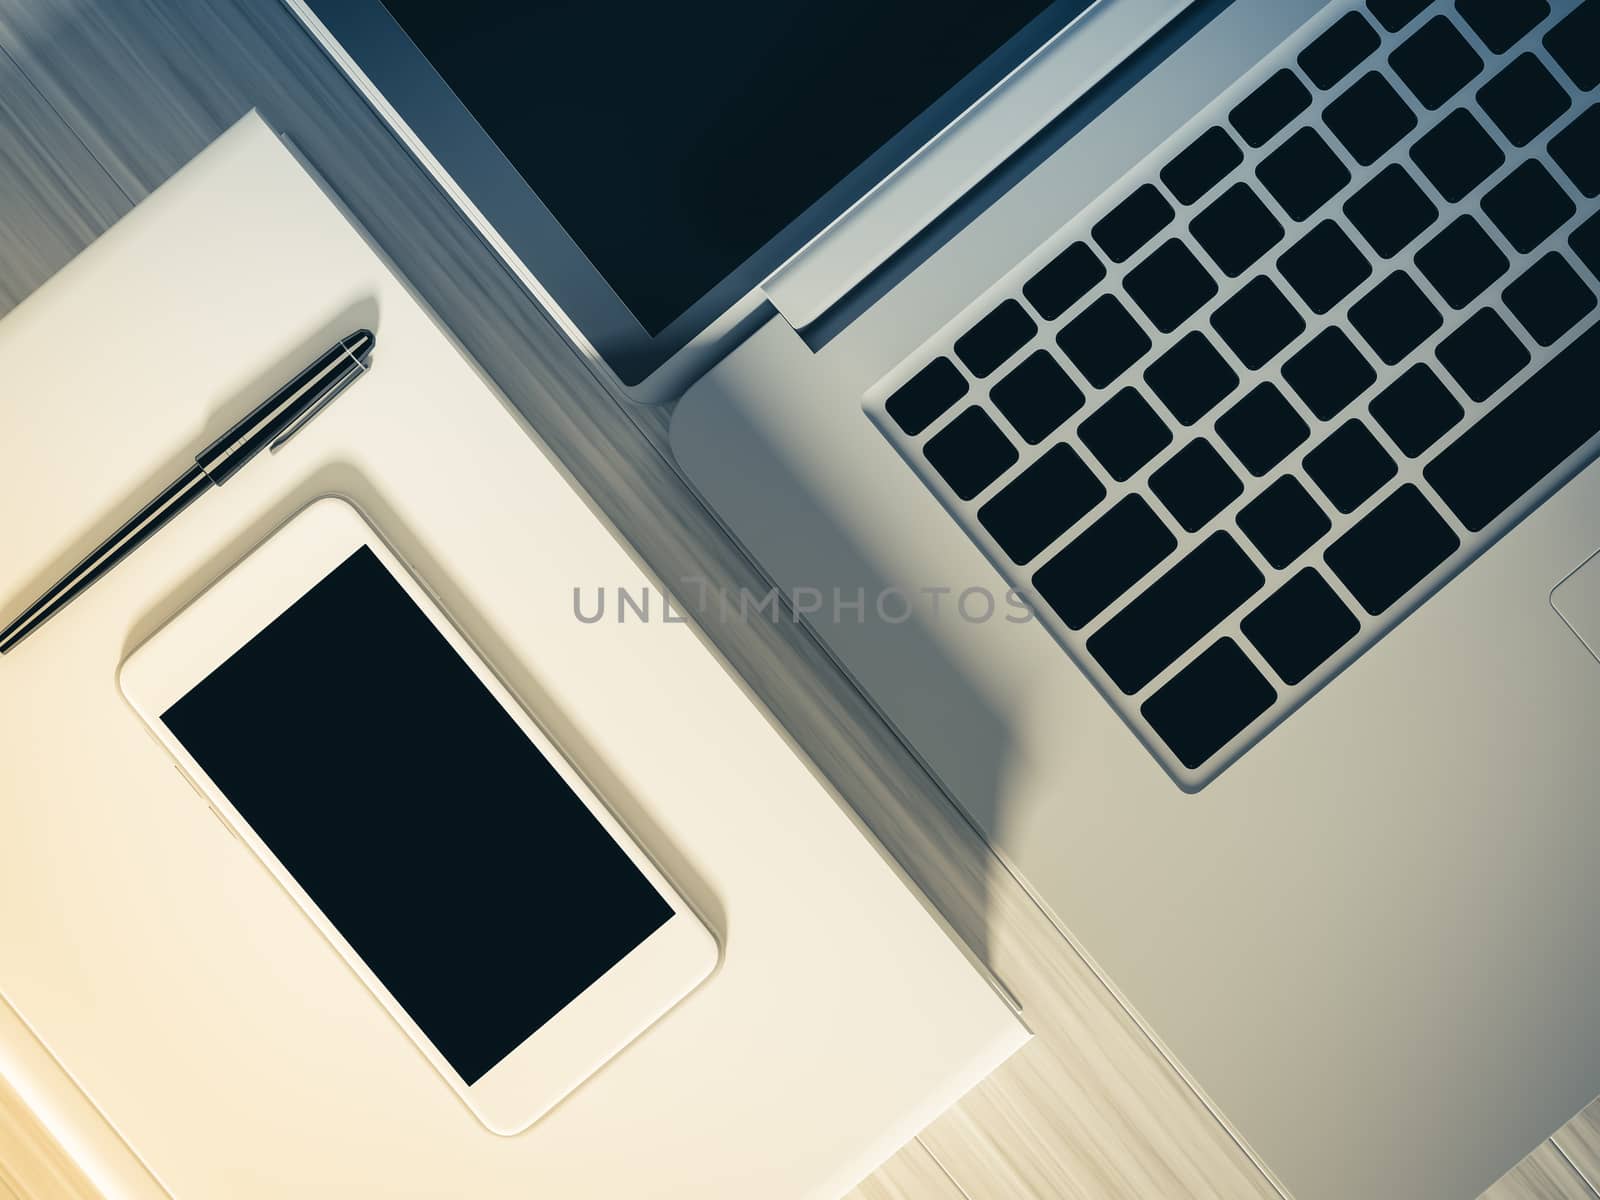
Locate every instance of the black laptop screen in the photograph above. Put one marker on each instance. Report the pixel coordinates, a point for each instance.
(674, 141)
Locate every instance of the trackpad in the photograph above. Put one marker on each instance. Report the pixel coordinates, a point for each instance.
(1577, 599)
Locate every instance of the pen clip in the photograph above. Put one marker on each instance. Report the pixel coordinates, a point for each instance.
(353, 370)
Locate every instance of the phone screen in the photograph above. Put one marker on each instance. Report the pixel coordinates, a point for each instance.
(415, 813)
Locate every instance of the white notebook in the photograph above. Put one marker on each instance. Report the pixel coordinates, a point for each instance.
(153, 971)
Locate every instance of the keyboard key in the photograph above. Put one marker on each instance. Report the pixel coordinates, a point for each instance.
(1549, 299)
(1209, 703)
(1103, 341)
(1283, 522)
(1522, 439)
(1258, 322)
(1395, 317)
(1524, 99)
(1262, 429)
(1195, 484)
(1170, 285)
(1436, 62)
(1395, 15)
(1324, 267)
(1483, 355)
(1462, 262)
(1048, 498)
(926, 396)
(1502, 23)
(988, 344)
(1175, 612)
(1391, 211)
(1586, 244)
(1202, 166)
(1269, 109)
(1036, 397)
(970, 453)
(1328, 373)
(1303, 174)
(1575, 44)
(1104, 561)
(1576, 150)
(1370, 118)
(1130, 225)
(1350, 466)
(1391, 549)
(1191, 378)
(1124, 434)
(1065, 280)
(1457, 155)
(1528, 205)
(1338, 51)
(1416, 410)
(1300, 626)
(1236, 230)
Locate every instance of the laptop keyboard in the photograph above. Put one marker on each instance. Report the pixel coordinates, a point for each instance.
(1242, 416)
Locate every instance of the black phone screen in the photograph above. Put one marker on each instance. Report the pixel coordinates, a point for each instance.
(412, 809)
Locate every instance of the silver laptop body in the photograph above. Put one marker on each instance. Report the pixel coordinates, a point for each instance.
(1311, 779)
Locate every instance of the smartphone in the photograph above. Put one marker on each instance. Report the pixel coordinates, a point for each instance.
(349, 735)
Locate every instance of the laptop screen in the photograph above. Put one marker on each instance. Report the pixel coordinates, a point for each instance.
(673, 141)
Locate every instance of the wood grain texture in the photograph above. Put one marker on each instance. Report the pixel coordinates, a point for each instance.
(1579, 1140)
(1543, 1175)
(54, 197)
(1089, 1110)
(113, 96)
(33, 1166)
(913, 1174)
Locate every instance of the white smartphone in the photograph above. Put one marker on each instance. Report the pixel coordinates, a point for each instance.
(351, 738)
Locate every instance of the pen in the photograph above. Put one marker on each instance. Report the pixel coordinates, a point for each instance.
(269, 426)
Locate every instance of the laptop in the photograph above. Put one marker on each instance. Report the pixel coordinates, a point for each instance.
(1179, 419)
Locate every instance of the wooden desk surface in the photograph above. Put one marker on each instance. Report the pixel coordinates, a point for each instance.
(104, 99)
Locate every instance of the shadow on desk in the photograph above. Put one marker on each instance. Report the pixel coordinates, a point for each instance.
(844, 609)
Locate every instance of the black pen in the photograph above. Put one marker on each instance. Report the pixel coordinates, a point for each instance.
(271, 424)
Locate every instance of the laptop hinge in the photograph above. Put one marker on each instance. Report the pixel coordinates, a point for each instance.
(963, 154)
